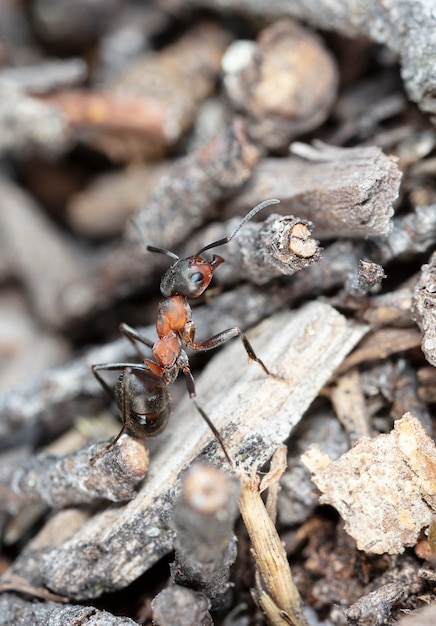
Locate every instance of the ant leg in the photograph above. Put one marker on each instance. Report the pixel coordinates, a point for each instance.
(223, 337)
(135, 337)
(190, 384)
(125, 410)
(125, 368)
(97, 368)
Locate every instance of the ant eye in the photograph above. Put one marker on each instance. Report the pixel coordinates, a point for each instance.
(196, 277)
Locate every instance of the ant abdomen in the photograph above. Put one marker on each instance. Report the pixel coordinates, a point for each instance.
(144, 402)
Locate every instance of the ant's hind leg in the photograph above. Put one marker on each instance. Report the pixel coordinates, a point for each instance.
(190, 384)
(223, 337)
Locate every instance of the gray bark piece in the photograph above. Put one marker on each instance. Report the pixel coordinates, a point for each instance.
(15, 611)
(346, 192)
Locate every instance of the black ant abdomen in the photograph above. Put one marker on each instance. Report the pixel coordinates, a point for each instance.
(141, 397)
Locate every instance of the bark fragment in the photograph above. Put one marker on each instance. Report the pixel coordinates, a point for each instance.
(286, 86)
(384, 489)
(61, 481)
(424, 308)
(346, 192)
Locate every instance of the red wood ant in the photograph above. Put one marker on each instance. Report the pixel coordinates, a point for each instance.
(141, 391)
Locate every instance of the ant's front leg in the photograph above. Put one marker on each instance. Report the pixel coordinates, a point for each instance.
(223, 337)
(135, 337)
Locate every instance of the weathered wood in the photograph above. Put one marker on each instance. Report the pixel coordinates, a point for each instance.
(61, 481)
(424, 310)
(203, 522)
(283, 85)
(276, 246)
(406, 28)
(346, 192)
(15, 611)
(253, 413)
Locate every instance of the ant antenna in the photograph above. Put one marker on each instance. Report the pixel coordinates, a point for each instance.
(151, 248)
(246, 219)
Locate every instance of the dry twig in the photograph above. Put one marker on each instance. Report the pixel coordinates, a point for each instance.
(61, 481)
(205, 545)
(283, 85)
(277, 594)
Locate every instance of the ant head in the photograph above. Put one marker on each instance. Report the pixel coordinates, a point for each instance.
(189, 277)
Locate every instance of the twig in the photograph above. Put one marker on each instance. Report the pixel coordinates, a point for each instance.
(380, 344)
(278, 246)
(286, 86)
(205, 545)
(61, 481)
(277, 596)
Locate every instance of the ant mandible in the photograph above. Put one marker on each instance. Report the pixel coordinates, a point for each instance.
(141, 391)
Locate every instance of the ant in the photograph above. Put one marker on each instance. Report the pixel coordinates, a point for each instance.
(141, 391)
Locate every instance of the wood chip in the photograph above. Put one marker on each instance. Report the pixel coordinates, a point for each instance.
(384, 489)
